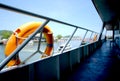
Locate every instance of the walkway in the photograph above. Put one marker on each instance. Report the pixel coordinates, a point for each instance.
(103, 65)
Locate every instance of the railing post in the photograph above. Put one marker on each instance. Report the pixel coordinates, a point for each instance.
(68, 41)
(84, 37)
(40, 40)
(90, 36)
(101, 31)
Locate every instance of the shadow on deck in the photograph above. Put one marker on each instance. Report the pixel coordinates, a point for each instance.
(103, 65)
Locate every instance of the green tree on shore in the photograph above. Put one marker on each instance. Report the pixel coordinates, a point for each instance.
(59, 36)
(5, 34)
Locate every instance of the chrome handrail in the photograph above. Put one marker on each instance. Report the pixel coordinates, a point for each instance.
(39, 16)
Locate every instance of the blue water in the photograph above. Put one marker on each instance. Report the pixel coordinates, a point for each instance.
(30, 49)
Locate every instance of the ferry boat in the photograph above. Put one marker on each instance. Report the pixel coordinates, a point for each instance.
(96, 61)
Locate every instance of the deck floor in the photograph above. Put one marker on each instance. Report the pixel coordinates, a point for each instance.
(103, 65)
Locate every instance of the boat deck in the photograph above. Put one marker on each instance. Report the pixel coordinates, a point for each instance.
(103, 65)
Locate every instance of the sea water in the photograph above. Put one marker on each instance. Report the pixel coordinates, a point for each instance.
(29, 50)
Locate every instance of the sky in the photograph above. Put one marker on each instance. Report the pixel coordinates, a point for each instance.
(77, 12)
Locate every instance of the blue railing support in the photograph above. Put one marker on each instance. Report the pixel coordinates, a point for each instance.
(68, 40)
(90, 36)
(83, 37)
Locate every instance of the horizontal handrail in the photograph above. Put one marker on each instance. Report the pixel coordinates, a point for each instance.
(39, 16)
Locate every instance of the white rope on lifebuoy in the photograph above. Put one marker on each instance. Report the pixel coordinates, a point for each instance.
(16, 34)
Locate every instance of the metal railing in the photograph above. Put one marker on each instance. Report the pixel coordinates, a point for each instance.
(47, 19)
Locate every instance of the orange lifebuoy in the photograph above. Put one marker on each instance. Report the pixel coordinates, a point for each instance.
(24, 31)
